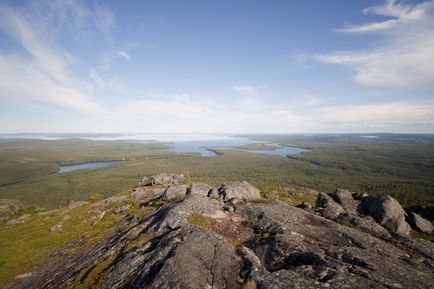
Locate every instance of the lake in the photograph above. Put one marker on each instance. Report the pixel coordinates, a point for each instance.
(82, 166)
(206, 147)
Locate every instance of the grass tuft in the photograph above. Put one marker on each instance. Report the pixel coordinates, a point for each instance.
(200, 220)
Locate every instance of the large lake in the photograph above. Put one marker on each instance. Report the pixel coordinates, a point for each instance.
(181, 143)
(206, 147)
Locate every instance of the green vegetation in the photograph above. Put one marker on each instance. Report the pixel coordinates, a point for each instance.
(92, 278)
(200, 220)
(402, 166)
(24, 159)
(24, 246)
(292, 196)
(420, 235)
(258, 146)
(349, 224)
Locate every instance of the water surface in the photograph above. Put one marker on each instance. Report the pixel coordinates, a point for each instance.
(87, 165)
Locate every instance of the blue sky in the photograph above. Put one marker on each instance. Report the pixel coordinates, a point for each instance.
(217, 66)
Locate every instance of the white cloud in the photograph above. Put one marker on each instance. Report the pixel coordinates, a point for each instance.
(189, 114)
(404, 57)
(22, 82)
(43, 77)
(392, 114)
(248, 90)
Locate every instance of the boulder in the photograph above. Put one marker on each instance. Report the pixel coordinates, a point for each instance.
(366, 224)
(143, 193)
(239, 189)
(420, 224)
(386, 211)
(346, 200)
(200, 189)
(327, 207)
(174, 191)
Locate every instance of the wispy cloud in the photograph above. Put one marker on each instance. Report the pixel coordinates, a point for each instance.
(23, 82)
(122, 54)
(96, 78)
(404, 57)
(83, 22)
(43, 78)
(111, 56)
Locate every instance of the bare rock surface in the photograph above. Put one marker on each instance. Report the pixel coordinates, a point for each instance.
(142, 193)
(238, 189)
(199, 189)
(163, 179)
(421, 224)
(192, 242)
(175, 191)
(328, 207)
(346, 200)
(387, 211)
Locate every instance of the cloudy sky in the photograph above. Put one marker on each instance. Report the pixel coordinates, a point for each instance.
(217, 66)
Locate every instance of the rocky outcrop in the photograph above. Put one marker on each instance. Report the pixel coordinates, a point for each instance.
(143, 193)
(193, 242)
(238, 189)
(373, 214)
(328, 207)
(163, 179)
(387, 212)
(420, 224)
(175, 191)
(200, 189)
(9, 207)
(346, 199)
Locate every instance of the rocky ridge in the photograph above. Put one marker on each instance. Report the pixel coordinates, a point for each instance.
(199, 236)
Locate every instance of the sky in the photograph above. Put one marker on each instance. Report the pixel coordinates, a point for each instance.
(217, 66)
